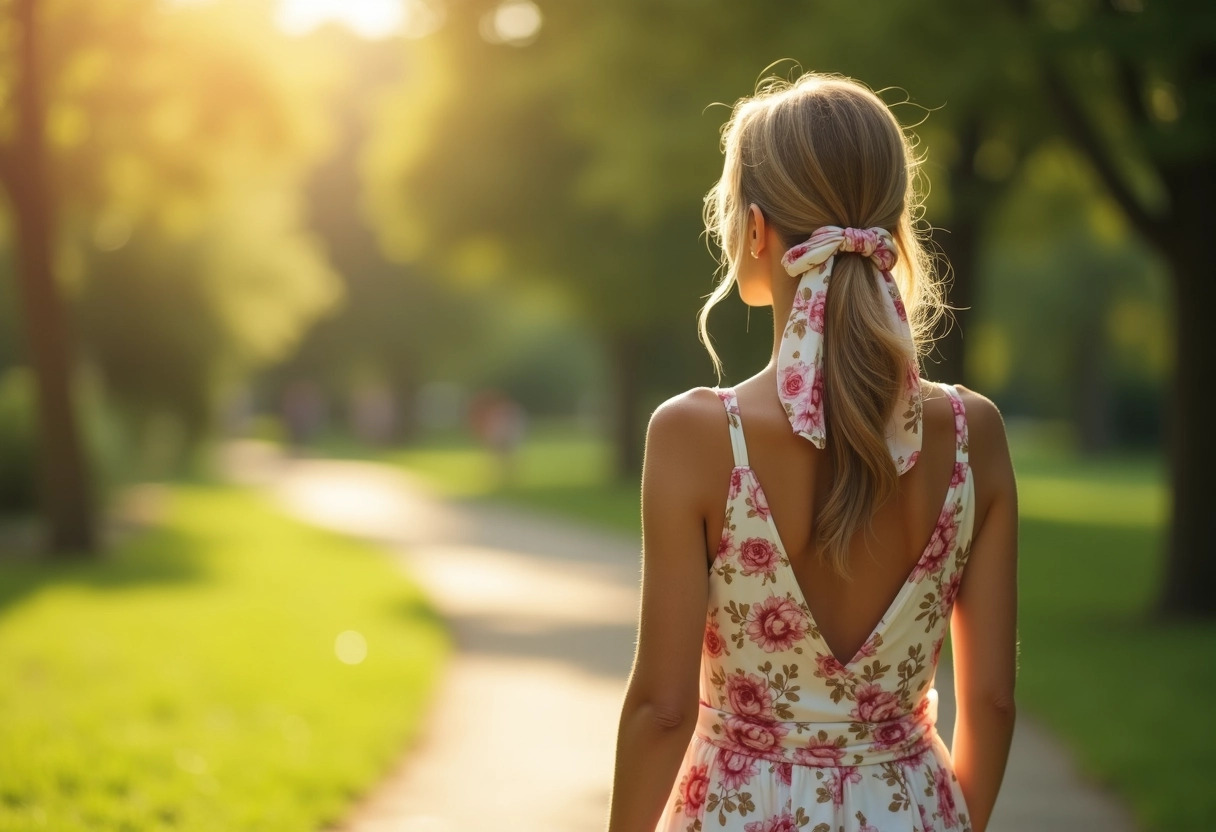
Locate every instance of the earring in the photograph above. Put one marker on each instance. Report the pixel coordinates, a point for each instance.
(756, 256)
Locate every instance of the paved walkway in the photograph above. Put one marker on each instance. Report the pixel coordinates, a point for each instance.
(544, 614)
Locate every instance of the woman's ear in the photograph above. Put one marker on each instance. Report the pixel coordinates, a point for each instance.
(757, 236)
(755, 281)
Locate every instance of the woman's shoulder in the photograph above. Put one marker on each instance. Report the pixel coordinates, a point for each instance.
(988, 445)
(985, 424)
(694, 415)
(688, 441)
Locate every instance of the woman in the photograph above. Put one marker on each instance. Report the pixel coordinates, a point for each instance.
(789, 633)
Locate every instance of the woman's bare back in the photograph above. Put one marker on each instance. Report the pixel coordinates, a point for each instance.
(796, 478)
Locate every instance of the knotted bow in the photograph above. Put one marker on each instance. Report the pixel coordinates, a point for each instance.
(800, 357)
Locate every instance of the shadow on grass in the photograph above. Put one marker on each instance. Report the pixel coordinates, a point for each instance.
(152, 556)
(416, 607)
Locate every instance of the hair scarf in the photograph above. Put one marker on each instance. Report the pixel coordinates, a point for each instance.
(800, 357)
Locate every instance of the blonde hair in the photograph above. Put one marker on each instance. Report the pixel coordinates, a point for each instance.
(825, 150)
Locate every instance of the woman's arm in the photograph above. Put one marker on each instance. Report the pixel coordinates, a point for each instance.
(983, 629)
(661, 701)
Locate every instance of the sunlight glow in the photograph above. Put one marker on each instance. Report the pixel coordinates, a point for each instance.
(350, 647)
(367, 18)
(516, 22)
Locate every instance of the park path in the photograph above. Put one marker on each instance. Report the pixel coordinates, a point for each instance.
(543, 612)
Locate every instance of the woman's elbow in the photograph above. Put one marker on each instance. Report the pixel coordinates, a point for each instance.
(999, 704)
(663, 714)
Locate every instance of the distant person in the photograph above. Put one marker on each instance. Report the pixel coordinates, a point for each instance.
(373, 413)
(303, 408)
(790, 631)
(500, 423)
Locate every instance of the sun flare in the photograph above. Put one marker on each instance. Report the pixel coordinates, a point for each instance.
(367, 18)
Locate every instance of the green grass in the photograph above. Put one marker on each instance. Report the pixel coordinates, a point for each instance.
(1132, 696)
(190, 680)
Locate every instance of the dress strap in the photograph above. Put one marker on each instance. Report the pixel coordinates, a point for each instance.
(961, 439)
(737, 445)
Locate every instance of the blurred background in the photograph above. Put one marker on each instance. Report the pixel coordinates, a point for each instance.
(460, 240)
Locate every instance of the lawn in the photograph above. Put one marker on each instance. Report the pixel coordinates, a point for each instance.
(1133, 697)
(229, 669)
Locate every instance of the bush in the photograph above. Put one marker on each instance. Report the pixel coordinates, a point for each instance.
(18, 480)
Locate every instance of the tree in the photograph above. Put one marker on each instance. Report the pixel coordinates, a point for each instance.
(176, 141)
(64, 483)
(1134, 87)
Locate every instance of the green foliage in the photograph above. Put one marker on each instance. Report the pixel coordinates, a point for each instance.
(179, 135)
(18, 484)
(190, 681)
(1076, 305)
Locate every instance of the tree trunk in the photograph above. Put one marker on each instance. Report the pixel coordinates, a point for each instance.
(972, 198)
(63, 477)
(1190, 574)
(628, 438)
(947, 361)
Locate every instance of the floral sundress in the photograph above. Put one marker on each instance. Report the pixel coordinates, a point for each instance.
(788, 738)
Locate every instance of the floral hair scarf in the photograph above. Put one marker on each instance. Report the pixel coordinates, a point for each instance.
(800, 358)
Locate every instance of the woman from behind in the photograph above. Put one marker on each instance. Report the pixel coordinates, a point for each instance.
(790, 632)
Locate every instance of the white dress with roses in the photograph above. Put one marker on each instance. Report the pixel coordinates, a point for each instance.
(789, 739)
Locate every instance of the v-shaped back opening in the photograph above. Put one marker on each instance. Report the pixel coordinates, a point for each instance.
(730, 400)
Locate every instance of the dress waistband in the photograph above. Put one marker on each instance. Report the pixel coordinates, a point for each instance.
(822, 743)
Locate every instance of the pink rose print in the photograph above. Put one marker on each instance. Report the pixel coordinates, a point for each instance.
(808, 410)
(900, 310)
(884, 257)
(725, 545)
(891, 734)
(945, 797)
(937, 648)
(807, 418)
(737, 769)
(870, 648)
(783, 822)
(802, 304)
(693, 789)
(950, 591)
(926, 819)
(940, 545)
(959, 474)
(816, 312)
(758, 555)
(875, 704)
(860, 240)
(736, 483)
(828, 665)
(759, 501)
(715, 645)
(960, 419)
(724, 396)
(819, 752)
(837, 780)
(916, 758)
(748, 695)
(754, 736)
(785, 773)
(776, 623)
(794, 380)
(796, 252)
